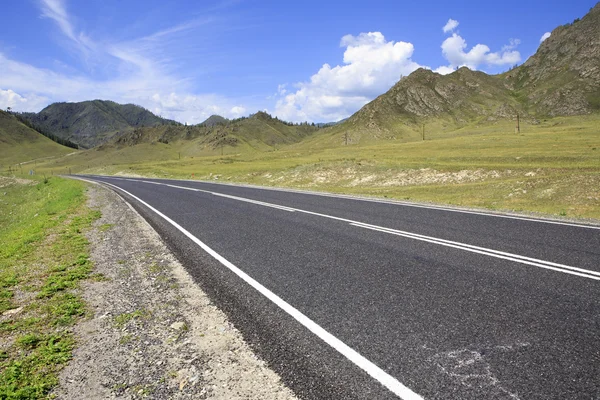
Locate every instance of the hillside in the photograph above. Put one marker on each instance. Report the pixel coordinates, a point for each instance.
(563, 76)
(260, 132)
(91, 123)
(19, 143)
(561, 79)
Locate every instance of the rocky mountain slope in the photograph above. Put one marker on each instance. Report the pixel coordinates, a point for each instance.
(91, 123)
(562, 78)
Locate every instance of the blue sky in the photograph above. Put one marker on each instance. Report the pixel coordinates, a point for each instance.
(306, 60)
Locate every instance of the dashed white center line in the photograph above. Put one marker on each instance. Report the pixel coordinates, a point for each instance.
(566, 269)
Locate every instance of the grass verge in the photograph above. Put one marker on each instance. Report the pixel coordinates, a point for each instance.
(43, 257)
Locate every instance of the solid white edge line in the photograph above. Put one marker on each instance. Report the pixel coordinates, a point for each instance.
(371, 369)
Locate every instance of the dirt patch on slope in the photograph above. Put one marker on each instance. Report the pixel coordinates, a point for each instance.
(152, 333)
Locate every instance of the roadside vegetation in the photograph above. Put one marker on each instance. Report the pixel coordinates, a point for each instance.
(43, 257)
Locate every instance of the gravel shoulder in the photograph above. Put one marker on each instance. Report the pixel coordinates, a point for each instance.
(151, 332)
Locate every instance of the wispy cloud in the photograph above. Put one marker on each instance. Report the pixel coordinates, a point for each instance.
(56, 10)
(142, 72)
(183, 27)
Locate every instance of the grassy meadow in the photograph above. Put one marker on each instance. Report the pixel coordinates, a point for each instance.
(552, 167)
(43, 257)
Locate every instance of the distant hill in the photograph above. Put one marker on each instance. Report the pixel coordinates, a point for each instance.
(259, 131)
(561, 79)
(91, 123)
(215, 120)
(19, 143)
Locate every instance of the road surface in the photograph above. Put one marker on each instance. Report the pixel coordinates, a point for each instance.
(354, 298)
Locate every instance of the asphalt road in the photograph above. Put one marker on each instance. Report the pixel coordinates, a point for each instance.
(349, 298)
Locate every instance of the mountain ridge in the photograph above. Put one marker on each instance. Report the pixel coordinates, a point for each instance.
(259, 131)
(93, 122)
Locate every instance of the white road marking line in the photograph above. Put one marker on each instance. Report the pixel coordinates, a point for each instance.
(392, 202)
(443, 242)
(261, 203)
(401, 203)
(373, 370)
(492, 253)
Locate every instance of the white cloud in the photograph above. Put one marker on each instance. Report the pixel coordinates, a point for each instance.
(454, 50)
(57, 11)
(545, 36)
(15, 101)
(192, 109)
(237, 111)
(450, 25)
(444, 70)
(371, 66)
(513, 43)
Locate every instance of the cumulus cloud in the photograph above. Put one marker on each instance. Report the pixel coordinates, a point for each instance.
(455, 50)
(444, 70)
(450, 25)
(9, 98)
(545, 36)
(371, 65)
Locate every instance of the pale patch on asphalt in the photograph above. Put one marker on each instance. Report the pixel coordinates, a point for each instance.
(152, 333)
(470, 368)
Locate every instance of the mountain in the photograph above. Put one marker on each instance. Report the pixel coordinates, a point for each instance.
(561, 79)
(19, 143)
(259, 131)
(454, 99)
(91, 123)
(563, 76)
(215, 120)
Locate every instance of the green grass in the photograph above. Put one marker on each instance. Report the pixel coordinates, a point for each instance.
(552, 167)
(105, 227)
(22, 148)
(43, 258)
(122, 319)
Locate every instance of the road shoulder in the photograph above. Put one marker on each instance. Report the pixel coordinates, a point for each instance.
(151, 332)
